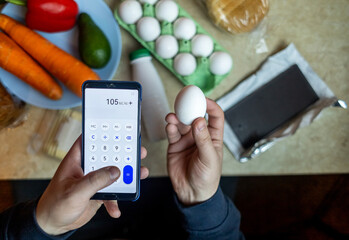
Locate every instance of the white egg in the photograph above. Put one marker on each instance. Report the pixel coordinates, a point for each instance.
(148, 28)
(166, 46)
(130, 11)
(166, 10)
(201, 45)
(152, 2)
(190, 104)
(184, 64)
(184, 28)
(220, 63)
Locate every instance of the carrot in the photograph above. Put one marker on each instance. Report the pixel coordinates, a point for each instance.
(67, 69)
(14, 60)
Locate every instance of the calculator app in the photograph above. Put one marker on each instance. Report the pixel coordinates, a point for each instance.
(111, 134)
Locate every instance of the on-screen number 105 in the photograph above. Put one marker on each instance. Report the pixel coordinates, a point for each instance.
(112, 101)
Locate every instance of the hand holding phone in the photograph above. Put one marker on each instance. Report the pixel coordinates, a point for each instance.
(66, 203)
(111, 134)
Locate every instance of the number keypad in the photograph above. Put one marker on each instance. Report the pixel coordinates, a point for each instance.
(111, 143)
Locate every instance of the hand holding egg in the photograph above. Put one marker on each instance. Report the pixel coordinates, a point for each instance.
(190, 104)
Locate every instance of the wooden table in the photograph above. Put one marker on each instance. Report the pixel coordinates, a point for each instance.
(319, 30)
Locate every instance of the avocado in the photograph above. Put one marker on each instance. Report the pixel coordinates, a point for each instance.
(94, 47)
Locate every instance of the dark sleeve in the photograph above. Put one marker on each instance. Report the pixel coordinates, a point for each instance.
(19, 222)
(217, 218)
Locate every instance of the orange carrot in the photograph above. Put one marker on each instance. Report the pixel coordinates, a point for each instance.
(59, 63)
(14, 60)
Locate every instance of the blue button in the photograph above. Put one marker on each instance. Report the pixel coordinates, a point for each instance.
(128, 174)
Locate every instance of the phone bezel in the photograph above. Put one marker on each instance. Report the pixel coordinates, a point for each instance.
(115, 85)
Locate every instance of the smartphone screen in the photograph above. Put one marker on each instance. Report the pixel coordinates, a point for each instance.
(111, 134)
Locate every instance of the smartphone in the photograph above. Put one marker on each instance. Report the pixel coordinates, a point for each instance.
(269, 107)
(111, 134)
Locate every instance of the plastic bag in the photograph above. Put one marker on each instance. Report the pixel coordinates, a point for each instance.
(275, 65)
(237, 16)
(56, 132)
(12, 110)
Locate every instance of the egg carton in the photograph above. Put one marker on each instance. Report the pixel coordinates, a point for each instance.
(202, 76)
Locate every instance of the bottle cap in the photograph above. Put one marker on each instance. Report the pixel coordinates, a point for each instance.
(139, 54)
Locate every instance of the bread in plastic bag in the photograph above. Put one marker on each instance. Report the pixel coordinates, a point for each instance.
(12, 110)
(237, 16)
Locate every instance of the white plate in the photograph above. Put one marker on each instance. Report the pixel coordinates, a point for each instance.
(68, 41)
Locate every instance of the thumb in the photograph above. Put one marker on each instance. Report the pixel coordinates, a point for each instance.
(97, 180)
(203, 141)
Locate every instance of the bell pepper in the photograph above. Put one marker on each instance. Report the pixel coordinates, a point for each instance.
(49, 15)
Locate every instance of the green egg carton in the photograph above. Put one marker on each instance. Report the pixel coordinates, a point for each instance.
(202, 77)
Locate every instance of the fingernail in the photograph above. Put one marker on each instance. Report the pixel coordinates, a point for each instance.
(201, 126)
(114, 172)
